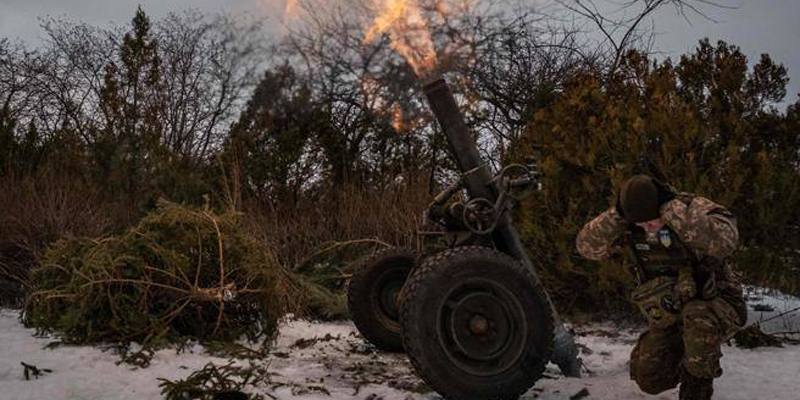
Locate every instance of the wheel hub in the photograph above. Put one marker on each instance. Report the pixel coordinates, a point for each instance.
(483, 328)
(479, 325)
(388, 298)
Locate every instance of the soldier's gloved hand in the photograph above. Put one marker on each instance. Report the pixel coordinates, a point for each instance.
(685, 288)
(664, 192)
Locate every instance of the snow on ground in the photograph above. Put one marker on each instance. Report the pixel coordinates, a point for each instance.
(80, 372)
(774, 312)
(337, 362)
(315, 361)
(767, 373)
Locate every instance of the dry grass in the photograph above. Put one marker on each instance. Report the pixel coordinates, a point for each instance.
(331, 229)
(344, 223)
(38, 210)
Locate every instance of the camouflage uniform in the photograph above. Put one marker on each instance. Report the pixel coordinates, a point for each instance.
(698, 239)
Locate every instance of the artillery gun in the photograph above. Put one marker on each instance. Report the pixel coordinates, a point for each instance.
(472, 317)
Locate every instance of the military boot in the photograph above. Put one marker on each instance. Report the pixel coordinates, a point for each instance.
(694, 388)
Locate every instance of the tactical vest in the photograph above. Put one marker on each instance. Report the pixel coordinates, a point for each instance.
(659, 257)
(659, 254)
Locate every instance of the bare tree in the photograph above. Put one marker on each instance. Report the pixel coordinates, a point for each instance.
(622, 25)
(13, 79)
(207, 65)
(522, 61)
(362, 85)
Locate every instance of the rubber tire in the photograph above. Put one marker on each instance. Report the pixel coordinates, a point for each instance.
(424, 293)
(374, 324)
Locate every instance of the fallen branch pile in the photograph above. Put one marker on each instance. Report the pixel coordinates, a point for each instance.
(181, 272)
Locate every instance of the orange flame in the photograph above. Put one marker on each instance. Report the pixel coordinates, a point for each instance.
(408, 32)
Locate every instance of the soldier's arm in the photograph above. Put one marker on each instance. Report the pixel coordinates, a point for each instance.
(707, 227)
(598, 239)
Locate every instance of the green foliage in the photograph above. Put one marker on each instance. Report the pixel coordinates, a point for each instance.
(181, 272)
(270, 142)
(704, 125)
(127, 150)
(21, 149)
(217, 382)
(7, 139)
(320, 302)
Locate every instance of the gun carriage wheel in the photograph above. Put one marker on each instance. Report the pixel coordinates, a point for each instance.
(476, 324)
(372, 296)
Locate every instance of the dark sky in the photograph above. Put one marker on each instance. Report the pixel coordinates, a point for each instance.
(757, 26)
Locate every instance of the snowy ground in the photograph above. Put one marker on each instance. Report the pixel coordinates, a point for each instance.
(338, 365)
(774, 312)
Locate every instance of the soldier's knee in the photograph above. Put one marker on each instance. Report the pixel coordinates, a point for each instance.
(699, 321)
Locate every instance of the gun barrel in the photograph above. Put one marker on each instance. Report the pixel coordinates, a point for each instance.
(464, 151)
(461, 143)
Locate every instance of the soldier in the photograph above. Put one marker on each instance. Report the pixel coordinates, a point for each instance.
(682, 246)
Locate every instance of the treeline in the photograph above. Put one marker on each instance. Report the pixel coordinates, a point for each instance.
(322, 138)
(707, 124)
(331, 143)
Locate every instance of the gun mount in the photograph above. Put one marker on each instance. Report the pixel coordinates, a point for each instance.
(473, 318)
(481, 185)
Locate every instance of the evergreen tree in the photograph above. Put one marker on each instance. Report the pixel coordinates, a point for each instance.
(8, 142)
(272, 143)
(128, 149)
